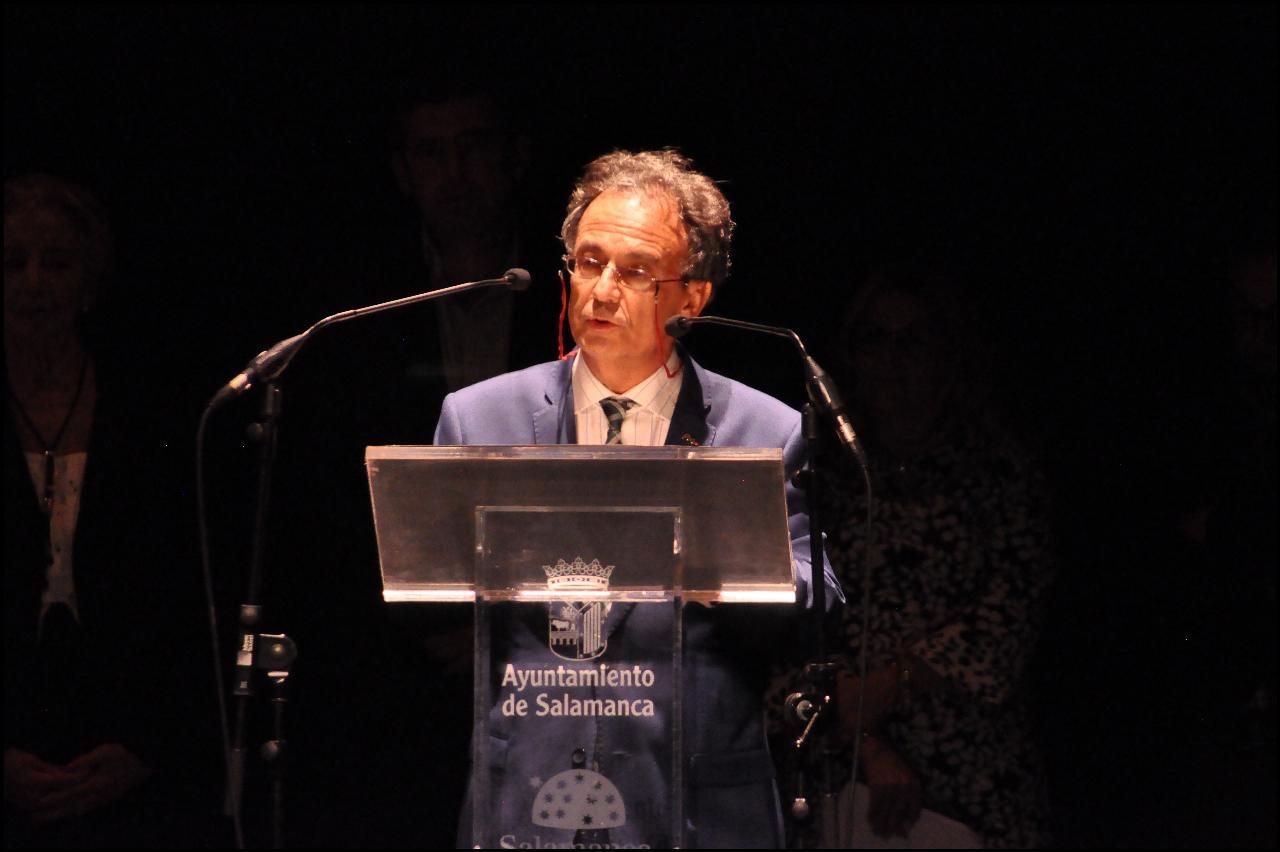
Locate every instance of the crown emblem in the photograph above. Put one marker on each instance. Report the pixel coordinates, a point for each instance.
(578, 574)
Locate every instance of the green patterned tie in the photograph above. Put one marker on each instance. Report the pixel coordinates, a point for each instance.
(615, 408)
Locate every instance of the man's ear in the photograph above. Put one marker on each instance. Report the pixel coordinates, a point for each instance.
(697, 294)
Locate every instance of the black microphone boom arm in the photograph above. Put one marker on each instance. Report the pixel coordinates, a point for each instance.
(269, 364)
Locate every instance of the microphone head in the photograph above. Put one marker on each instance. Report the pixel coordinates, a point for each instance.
(677, 326)
(517, 279)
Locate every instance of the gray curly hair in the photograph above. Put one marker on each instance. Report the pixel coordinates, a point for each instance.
(703, 208)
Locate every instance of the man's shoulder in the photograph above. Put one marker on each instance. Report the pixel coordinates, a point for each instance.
(530, 383)
(735, 395)
(744, 416)
(504, 409)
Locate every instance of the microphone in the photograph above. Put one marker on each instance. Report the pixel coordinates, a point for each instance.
(262, 364)
(517, 279)
(822, 389)
(269, 364)
(677, 326)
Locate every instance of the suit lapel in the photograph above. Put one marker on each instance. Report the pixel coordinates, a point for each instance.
(554, 423)
(690, 422)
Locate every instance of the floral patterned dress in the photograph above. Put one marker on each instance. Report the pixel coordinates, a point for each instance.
(959, 569)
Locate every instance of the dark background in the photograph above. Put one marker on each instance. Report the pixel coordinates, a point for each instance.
(1088, 171)
(1082, 167)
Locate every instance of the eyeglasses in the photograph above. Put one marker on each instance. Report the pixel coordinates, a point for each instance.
(589, 269)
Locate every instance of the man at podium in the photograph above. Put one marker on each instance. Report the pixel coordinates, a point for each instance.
(646, 238)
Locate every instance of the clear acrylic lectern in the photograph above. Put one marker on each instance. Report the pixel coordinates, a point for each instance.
(580, 561)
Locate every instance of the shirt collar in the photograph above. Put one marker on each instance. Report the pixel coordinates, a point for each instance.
(657, 392)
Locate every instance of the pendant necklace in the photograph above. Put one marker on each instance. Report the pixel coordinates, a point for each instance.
(50, 446)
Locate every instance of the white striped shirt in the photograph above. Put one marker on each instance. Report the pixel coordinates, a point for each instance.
(645, 424)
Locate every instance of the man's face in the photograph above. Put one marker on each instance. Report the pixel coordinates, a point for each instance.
(618, 329)
(458, 165)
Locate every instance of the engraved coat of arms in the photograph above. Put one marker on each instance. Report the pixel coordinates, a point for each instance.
(575, 628)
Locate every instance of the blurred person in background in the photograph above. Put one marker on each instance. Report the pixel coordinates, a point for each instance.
(959, 562)
(94, 697)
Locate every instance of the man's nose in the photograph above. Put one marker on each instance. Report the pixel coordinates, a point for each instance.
(608, 287)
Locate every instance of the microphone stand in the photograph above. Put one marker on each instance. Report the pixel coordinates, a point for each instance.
(813, 712)
(279, 652)
(820, 672)
(275, 653)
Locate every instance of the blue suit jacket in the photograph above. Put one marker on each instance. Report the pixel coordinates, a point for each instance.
(732, 799)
